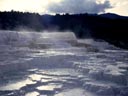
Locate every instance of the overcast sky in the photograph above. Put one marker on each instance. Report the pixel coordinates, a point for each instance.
(66, 6)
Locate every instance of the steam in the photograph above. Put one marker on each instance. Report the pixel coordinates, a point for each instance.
(36, 39)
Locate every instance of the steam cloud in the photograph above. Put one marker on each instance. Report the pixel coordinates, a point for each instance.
(79, 6)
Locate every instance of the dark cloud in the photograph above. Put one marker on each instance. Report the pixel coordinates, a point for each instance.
(79, 6)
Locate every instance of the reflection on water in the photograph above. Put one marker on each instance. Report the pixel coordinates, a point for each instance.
(64, 70)
(32, 94)
(42, 82)
(16, 85)
(35, 77)
(50, 87)
(58, 71)
(58, 53)
(73, 92)
(47, 53)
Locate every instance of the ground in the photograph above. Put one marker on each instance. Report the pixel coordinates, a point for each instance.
(54, 65)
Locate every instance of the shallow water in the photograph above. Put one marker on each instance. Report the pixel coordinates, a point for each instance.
(63, 70)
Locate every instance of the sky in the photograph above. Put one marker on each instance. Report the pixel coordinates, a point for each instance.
(66, 6)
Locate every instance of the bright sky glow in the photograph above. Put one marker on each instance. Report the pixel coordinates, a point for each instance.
(26, 5)
(41, 6)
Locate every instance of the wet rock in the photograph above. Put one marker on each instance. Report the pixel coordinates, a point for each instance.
(99, 88)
